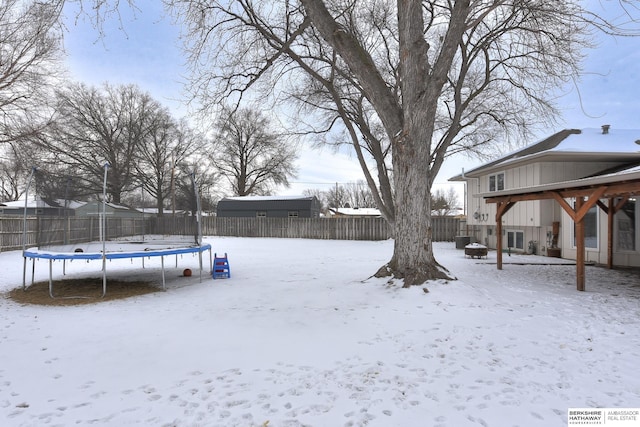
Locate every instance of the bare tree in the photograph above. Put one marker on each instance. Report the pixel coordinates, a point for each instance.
(337, 197)
(443, 202)
(359, 195)
(167, 144)
(249, 154)
(195, 171)
(438, 76)
(30, 49)
(318, 194)
(352, 194)
(14, 169)
(98, 126)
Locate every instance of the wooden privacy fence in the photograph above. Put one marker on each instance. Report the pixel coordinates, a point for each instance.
(444, 229)
(306, 228)
(56, 231)
(42, 231)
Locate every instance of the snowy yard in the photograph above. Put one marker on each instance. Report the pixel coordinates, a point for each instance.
(300, 336)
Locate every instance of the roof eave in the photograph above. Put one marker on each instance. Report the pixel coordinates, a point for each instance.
(549, 156)
(583, 182)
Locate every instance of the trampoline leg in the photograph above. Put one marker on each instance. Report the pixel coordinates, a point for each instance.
(104, 275)
(33, 271)
(200, 260)
(162, 264)
(24, 273)
(51, 278)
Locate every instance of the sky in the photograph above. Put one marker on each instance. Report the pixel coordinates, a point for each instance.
(144, 48)
(286, 341)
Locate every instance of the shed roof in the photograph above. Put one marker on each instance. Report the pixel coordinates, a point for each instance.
(267, 198)
(36, 202)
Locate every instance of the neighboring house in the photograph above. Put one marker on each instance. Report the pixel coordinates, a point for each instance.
(153, 212)
(539, 190)
(354, 213)
(269, 207)
(111, 210)
(35, 206)
(41, 207)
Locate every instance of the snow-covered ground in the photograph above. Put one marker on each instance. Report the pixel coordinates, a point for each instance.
(301, 336)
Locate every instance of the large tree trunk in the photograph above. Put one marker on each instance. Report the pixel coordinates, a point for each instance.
(421, 84)
(413, 259)
(408, 120)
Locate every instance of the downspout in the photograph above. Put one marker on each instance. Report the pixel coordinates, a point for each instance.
(469, 178)
(465, 178)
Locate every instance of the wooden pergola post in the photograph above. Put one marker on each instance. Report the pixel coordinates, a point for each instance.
(499, 241)
(610, 217)
(501, 209)
(580, 246)
(578, 214)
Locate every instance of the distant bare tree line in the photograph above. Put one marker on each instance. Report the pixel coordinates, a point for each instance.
(358, 195)
(148, 152)
(69, 131)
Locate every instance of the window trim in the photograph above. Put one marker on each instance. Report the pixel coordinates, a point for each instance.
(635, 222)
(515, 232)
(496, 181)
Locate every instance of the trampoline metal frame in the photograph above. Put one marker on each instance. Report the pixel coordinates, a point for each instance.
(104, 255)
(112, 255)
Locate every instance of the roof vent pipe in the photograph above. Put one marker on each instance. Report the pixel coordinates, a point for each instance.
(605, 129)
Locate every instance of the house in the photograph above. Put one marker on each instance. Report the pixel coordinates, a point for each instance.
(36, 206)
(269, 207)
(154, 212)
(573, 194)
(355, 213)
(112, 210)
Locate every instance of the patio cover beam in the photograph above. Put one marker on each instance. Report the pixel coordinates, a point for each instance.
(593, 194)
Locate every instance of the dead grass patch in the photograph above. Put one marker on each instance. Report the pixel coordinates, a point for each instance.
(80, 291)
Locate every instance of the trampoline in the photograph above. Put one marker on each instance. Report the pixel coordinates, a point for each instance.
(114, 250)
(100, 237)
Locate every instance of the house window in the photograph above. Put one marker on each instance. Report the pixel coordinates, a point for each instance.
(293, 214)
(590, 229)
(515, 239)
(625, 236)
(261, 214)
(496, 182)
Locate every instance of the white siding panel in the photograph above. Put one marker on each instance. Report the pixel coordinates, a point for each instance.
(566, 171)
